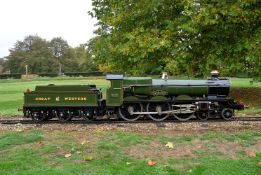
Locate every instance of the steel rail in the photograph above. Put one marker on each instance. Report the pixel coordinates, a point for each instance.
(114, 121)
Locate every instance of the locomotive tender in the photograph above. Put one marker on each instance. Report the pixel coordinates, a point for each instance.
(133, 98)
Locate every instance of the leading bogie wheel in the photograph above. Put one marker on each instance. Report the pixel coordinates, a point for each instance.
(203, 116)
(126, 111)
(227, 113)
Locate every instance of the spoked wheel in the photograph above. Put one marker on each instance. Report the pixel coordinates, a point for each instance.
(203, 116)
(184, 117)
(39, 115)
(64, 115)
(87, 114)
(159, 108)
(50, 115)
(126, 110)
(227, 114)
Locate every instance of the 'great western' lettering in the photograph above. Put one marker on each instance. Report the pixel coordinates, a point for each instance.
(75, 98)
(42, 98)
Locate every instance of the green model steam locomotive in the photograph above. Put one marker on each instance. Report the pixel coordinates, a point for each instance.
(133, 98)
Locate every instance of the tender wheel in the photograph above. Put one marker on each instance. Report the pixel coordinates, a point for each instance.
(126, 110)
(49, 115)
(64, 115)
(87, 114)
(227, 114)
(203, 116)
(38, 116)
(159, 108)
(184, 117)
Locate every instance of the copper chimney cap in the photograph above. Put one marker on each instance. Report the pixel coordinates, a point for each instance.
(214, 73)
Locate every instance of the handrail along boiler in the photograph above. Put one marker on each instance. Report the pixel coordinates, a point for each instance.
(133, 98)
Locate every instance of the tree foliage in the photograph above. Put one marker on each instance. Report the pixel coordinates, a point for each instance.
(34, 52)
(226, 36)
(44, 56)
(2, 65)
(178, 36)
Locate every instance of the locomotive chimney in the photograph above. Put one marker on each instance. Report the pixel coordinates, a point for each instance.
(164, 76)
(214, 74)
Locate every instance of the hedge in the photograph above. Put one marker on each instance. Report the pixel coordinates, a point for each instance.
(47, 74)
(7, 76)
(83, 74)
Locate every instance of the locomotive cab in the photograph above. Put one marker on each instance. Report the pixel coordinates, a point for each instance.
(114, 94)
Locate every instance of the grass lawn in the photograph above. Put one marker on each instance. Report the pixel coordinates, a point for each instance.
(99, 151)
(11, 91)
(244, 82)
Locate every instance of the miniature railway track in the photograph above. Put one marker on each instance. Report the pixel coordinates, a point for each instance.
(103, 121)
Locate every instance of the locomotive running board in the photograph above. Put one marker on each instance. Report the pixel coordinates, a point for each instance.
(182, 109)
(163, 112)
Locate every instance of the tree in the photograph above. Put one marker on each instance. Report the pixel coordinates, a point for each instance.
(71, 59)
(59, 47)
(3, 66)
(178, 36)
(38, 54)
(32, 51)
(53, 56)
(84, 58)
(137, 36)
(225, 35)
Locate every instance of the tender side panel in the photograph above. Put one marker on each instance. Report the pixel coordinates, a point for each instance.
(72, 99)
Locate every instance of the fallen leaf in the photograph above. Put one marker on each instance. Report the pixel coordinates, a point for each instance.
(259, 163)
(169, 145)
(67, 155)
(151, 163)
(251, 154)
(88, 158)
(198, 147)
(78, 152)
(83, 142)
(40, 143)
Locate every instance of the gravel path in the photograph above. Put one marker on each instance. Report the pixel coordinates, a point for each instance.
(170, 128)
